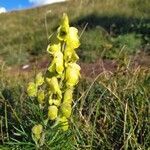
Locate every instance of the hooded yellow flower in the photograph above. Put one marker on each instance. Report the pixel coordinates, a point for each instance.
(55, 89)
(64, 123)
(54, 86)
(57, 63)
(66, 109)
(70, 55)
(54, 46)
(55, 102)
(64, 28)
(73, 38)
(41, 97)
(68, 96)
(39, 80)
(72, 74)
(36, 131)
(32, 89)
(52, 112)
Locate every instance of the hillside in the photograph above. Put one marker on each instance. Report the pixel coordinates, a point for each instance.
(24, 34)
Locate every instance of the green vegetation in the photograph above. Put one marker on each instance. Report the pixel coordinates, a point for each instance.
(110, 109)
(26, 32)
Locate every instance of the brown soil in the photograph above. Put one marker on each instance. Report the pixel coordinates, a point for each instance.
(87, 69)
(99, 66)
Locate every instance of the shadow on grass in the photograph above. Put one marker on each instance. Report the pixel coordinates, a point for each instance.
(116, 24)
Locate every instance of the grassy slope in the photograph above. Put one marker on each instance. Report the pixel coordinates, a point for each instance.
(25, 32)
(111, 111)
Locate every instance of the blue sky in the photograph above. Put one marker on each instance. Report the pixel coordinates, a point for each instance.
(15, 4)
(22, 4)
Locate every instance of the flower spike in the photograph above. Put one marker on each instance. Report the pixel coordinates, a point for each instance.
(54, 90)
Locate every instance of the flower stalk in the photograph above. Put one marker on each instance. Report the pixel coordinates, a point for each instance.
(54, 90)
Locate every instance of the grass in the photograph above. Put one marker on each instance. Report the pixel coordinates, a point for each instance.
(110, 111)
(102, 45)
(26, 32)
(113, 113)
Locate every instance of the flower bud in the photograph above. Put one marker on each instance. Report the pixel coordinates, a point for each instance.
(52, 112)
(39, 80)
(66, 109)
(41, 97)
(32, 89)
(59, 62)
(68, 96)
(64, 123)
(36, 131)
(72, 74)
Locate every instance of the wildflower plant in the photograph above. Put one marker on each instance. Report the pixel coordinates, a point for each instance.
(54, 89)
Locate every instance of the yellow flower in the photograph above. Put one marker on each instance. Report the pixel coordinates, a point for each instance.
(68, 96)
(57, 85)
(41, 97)
(54, 102)
(57, 102)
(52, 67)
(64, 20)
(73, 38)
(54, 86)
(70, 55)
(54, 46)
(72, 74)
(51, 101)
(52, 112)
(57, 63)
(32, 89)
(66, 109)
(64, 123)
(75, 57)
(37, 130)
(63, 29)
(39, 80)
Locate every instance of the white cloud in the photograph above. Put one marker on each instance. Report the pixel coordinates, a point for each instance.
(44, 2)
(2, 10)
